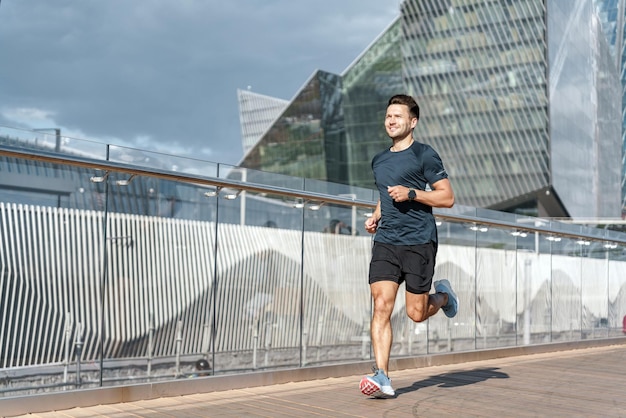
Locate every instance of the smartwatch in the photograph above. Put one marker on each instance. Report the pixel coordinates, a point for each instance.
(411, 194)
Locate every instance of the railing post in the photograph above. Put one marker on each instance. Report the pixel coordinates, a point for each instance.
(268, 341)
(79, 352)
(255, 340)
(527, 301)
(68, 336)
(206, 341)
(320, 330)
(179, 343)
(304, 343)
(150, 342)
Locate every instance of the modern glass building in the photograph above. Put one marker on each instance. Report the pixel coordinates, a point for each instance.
(304, 140)
(257, 112)
(612, 14)
(519, 98)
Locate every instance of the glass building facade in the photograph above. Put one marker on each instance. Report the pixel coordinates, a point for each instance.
(480, 70)
(585, 107)
(257, 113)
(518, 97)
(367, 85)
(612, 14)
(303, 140)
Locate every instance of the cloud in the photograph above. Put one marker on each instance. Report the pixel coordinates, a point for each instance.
(163, 74)
(22, 116)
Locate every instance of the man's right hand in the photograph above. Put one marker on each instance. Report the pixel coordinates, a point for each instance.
(371, 224)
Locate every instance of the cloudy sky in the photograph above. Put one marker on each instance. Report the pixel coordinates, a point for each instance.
(163, 75)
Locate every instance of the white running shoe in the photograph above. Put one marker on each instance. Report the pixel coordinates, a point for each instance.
(452, 307)
(378, 385)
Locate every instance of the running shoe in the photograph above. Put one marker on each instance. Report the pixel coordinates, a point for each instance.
(452, 307)
(378, 385)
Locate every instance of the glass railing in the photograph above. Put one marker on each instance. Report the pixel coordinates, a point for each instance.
(122, 266)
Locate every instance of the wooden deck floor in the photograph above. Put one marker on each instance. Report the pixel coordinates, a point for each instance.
(588, 382)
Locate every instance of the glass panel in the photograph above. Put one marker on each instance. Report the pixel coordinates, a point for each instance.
(260, 177)
(257, 298)
(52, 140)
(617, 289)
(534, 293)
(566, 289)
(158, 280)
(161, 162)
(457, 210)
(594, 289)
(456, 261)
(51, 253)
(496, 278)
(336, 294)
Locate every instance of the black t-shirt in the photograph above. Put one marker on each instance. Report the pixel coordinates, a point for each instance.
(406, 223)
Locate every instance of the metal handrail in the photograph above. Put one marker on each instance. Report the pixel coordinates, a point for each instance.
(444, 214)
(55, 158)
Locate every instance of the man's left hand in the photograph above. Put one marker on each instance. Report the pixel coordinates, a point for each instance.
(398, 193)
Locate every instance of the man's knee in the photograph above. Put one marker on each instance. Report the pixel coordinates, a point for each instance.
(416, 315)
(417, 306)
(383, 306)
(384, 296)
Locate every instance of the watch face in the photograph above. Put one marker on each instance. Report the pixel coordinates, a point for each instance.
(411, 194)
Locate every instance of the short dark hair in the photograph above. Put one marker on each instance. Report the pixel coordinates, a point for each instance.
(403, 99)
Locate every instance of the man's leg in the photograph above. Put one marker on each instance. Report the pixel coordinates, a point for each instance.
(420, 307)
(418, 262)
(384, 295)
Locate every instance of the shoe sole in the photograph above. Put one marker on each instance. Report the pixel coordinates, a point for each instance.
(369, 388)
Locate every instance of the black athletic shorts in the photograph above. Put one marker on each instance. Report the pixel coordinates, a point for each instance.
(413, 264)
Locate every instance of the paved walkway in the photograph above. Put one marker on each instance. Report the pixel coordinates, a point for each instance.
(589, 382)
